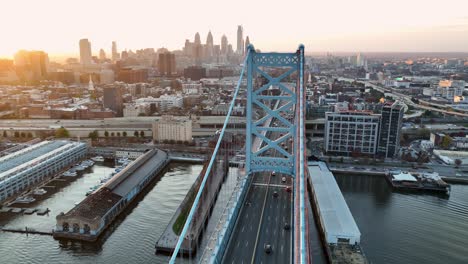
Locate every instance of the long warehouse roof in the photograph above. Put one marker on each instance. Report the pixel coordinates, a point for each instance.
(336, 216)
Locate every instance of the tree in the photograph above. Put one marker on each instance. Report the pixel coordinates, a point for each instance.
(17, 134)
(93, 135)
(124, 133)
(23, 135)
(118, 134)
(136, 134)
(142, 133)
(458, 162)
(62, 133)
(446, 141)
(106, 134)
(112, 134)
(29, 135)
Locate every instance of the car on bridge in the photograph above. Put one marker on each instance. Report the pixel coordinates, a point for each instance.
(268, 248)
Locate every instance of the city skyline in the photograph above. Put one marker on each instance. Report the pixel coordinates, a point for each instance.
(326, 26)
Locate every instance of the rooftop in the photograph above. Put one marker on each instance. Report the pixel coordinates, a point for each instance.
(20, 157)
(95, 205)
(404, 176)
(336, 217)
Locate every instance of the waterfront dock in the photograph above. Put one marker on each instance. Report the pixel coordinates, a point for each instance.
(28, 211)
(168, 240)
(338, 230)
(27, 231)
(96, 212)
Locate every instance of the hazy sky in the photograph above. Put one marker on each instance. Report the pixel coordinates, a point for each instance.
(321, 25)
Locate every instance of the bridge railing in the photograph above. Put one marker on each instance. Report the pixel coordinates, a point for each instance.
(224, 162)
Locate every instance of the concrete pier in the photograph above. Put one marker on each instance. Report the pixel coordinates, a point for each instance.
(168, 240)
(94, 214)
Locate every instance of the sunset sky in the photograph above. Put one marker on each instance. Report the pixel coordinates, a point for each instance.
(56, 26)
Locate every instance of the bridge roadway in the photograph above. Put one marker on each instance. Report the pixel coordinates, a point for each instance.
(262, 221)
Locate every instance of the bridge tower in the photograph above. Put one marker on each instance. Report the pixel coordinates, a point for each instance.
(275, 115)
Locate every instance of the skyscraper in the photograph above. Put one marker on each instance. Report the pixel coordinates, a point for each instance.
(197, 49)
(197, 40)
(32, 65)
(102, 55)
(247, 43)
(115, 53)
(209, 45)
(224, 45)
(85, 52)
(390, 130)
(240, 40)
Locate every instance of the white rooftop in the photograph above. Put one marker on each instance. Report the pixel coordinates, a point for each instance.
(334, 212)
(404, 176)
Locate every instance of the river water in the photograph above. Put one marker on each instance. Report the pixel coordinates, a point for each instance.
(131, 239)
(407, 228)
(396, 228)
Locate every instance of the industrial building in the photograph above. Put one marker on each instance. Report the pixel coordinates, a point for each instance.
(94, 214)
(29, 166)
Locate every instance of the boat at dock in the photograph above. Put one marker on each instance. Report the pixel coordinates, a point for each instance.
(39, 191)
(79, 168)
(24, 199)
(98, 159)
(429, 182)
(122, 160)
(69, 173)
(30, 211)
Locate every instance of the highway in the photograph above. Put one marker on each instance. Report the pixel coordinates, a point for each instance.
(262, 222)
(405, 98)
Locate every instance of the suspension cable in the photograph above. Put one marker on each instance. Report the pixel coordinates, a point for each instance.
(208, 170)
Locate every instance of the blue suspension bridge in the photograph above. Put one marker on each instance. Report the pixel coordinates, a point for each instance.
(261, 206)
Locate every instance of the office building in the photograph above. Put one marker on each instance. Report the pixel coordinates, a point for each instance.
(390, 130)
(32, 65)
(240, 40)
(102, 55)
(113, 99)
(166, 64)
(349, 133)
(197, 51)
(85, 52)
(30, 166)
(115, 53)
(164, 102)
(209, 46)
(132, 75)
(169, 128)
(224, 45)
(195, 73)
(247, 43)
(7, 71)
